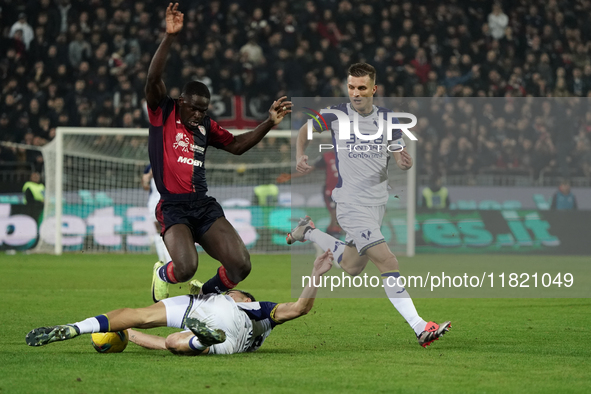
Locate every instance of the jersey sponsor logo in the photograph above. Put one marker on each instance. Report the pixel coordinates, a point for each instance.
(181, 142)
(197, 148)
(190, 161)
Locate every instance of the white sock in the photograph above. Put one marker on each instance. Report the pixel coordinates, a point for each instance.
(163, 254)
(326, 241)
(88, 326)
(195, 344)
(401, 300)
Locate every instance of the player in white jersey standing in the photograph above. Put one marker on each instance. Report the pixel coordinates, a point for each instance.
(149, 185)
(215, 323)
(361, 195)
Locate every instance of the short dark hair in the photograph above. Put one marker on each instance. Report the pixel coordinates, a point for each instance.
(195, 88)
(245, 293)
(361, 70)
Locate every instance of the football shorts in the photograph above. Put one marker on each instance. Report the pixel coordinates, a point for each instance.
(362, 225)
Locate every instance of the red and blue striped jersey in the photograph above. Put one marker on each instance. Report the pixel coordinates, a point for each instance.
(177, 154)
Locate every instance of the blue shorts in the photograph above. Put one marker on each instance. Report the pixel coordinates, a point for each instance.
(198, 215)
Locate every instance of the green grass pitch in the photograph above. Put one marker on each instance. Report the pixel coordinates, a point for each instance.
(342, 346)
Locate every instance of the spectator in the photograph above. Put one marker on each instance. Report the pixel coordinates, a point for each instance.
(26, 30)
(564, 199)
(421, 66)
(34, 196)
(435, 196)
(450, 50)
(251, 51)
(78, 50)
(497, 22)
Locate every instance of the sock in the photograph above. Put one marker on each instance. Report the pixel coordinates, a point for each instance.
(166, 273)
(219, 283)
(93, 324)
(196, 345)
(326, 241)
(402, 302)
(161, 250)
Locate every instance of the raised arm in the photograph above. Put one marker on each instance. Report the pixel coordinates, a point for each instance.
(292, 310)
(244, 142)
(155, 89)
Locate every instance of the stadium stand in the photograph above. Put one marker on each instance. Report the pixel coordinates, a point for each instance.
(84, 63)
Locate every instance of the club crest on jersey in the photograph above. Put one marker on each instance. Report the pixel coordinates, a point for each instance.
(181, 142)
(201, 129)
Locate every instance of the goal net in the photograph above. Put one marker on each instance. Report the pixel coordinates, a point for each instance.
(95, 203)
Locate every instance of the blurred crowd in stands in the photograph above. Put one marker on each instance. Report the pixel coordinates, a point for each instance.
(84, 63)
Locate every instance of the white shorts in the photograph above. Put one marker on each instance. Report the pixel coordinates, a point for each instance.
(216, 311)
(362, 224)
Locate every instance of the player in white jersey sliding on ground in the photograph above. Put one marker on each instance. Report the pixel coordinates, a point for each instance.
(361, 195)
(215, 323)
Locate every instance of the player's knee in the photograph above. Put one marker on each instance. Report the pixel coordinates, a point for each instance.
(392, 262)
(239, 268)
(174, 344)
(184, 271)
(355, 271)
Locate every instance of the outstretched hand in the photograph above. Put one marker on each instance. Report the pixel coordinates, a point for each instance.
(323, 263)
(174, 19)
(302, 165)
(404, 161)
(279, 109)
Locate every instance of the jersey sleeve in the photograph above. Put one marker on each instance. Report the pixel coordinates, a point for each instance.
(260, 311)
(396, 133)
(147, 169)
(322, 122)
(218, 136)
(157, 116)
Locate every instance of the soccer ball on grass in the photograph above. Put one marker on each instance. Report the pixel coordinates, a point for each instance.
(110, 342)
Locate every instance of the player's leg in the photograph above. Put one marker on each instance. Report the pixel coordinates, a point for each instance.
(218, 325)
(180, 241)
(148, 341)
(181, 245)
(183, 343)
(352, 263)
(345, 256)
(179, 343)
(222, 242)
(183, 264)
(387, 263)
(117, 320)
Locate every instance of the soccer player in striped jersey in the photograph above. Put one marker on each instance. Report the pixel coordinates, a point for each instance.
(361, 195)
(214, 323)
(180, 133)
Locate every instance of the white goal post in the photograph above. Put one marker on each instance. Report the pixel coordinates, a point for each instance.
(92, 178)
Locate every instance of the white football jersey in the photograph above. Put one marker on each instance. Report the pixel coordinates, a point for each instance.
(362, 164)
